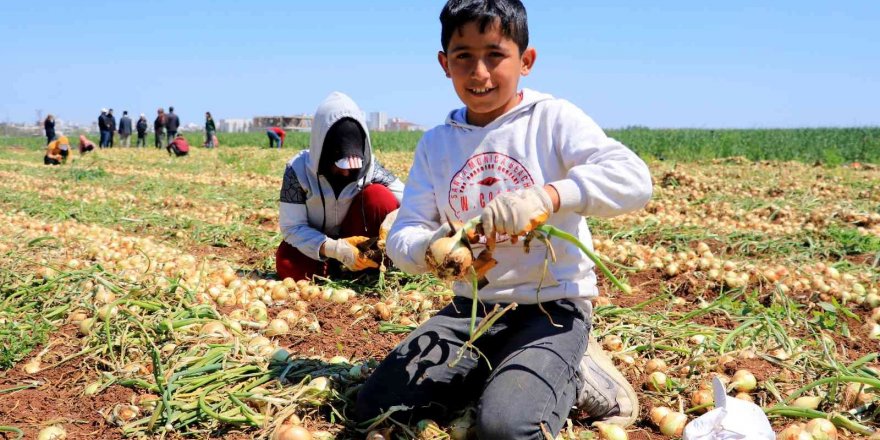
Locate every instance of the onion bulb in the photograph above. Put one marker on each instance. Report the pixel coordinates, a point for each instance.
(807, 402)
(291, 432)
(608, 431)
(214, 329)
(658, 413)
(745, 396)
(794, 432)
(277, 327)
(657, 381)
(656, 364)
(673, 424)
(612, 343)
(85, 326)
(53, 432)
(744, 380)
(822, 429)
(450, 257)
(704, 398)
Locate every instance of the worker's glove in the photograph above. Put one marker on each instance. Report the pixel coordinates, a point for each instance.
(516, 213)
(346, 251)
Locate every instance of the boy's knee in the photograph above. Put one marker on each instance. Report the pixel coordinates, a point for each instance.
(502, 424)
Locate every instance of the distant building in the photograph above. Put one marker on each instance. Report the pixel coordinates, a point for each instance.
(378, 121)
(235, 125)
(289, 123)
(398, 124)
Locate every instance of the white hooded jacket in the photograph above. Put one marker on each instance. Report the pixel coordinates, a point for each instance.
(309, 209)
(459, 168)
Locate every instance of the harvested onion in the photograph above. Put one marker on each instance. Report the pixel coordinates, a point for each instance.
(608, 431)
(744, 380)
(53, 432)
(673, 424)
(822, 429)
(291, 432)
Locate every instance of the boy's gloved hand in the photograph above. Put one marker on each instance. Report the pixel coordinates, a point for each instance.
(345, 250)
(517, 213)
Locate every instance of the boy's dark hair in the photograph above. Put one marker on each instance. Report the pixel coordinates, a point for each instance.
(510, 13)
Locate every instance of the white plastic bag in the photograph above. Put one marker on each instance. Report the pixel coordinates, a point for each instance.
(732, 419)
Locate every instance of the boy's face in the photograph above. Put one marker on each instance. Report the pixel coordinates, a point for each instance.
(485, 68)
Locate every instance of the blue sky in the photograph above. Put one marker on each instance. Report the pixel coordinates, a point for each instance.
(786, 63)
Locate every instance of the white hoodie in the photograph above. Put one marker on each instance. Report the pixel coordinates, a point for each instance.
(309, 210)
(459, 168)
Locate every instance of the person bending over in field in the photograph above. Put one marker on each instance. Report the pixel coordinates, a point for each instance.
(276, 135)
(57, 151)
(179, 146)
(334, 196)
(85, 145)
(513, 159)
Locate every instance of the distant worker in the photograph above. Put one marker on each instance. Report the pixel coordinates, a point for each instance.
(172, 124)
(179, 146)
(104, 128)
(210, 129)
(334, 196)
(125, 129)
(142, 131)
(159, 126)
(276, 135)
(85, 145)
(111, 122)
(49, 125)
(57, 151)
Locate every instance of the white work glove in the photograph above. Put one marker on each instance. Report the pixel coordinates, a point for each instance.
(345, 250)
(516, 213)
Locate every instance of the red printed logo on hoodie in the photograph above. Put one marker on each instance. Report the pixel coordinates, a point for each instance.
(483, 177)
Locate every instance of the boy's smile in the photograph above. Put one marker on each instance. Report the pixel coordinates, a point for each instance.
(485, 68)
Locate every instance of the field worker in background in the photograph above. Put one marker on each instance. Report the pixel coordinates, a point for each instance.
(49, 126)
(159, 126)
(172, 124)
(276, 136)
(334, 195)
(210, 129)
(111, 122)
(104, 129)
(141, 128)
(125, 129)
(179, 146)
(85, 145)
(57, 151)
(514, 159)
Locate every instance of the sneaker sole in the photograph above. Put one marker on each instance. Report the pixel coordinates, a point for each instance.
(625, 392)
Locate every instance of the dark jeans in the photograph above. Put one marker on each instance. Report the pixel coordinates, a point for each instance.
(142, 140)
(49, 161)
(209, 139)
(105, 139)
(159, 139)
(534, 380)
(169, 136)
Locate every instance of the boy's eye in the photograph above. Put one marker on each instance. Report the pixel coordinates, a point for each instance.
(463, 56)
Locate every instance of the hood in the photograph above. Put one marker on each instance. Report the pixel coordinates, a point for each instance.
(458, 117)
(335, 107)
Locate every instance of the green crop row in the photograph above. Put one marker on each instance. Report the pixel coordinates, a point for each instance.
(831, 146)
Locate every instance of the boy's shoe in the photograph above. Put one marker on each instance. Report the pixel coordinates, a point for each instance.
(605, 394)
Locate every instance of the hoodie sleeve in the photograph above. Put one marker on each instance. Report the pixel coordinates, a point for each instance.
(293, 217)
(605, 178)
(417, 219)
(382, 176)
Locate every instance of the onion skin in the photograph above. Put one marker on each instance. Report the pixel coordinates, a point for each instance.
(822, 429)
(291, 432)
(54, 432)
(450, 258)
(673, 424)
(658, 413)
(608, 431)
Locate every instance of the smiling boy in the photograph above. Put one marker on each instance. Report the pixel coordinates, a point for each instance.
(515, 159)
